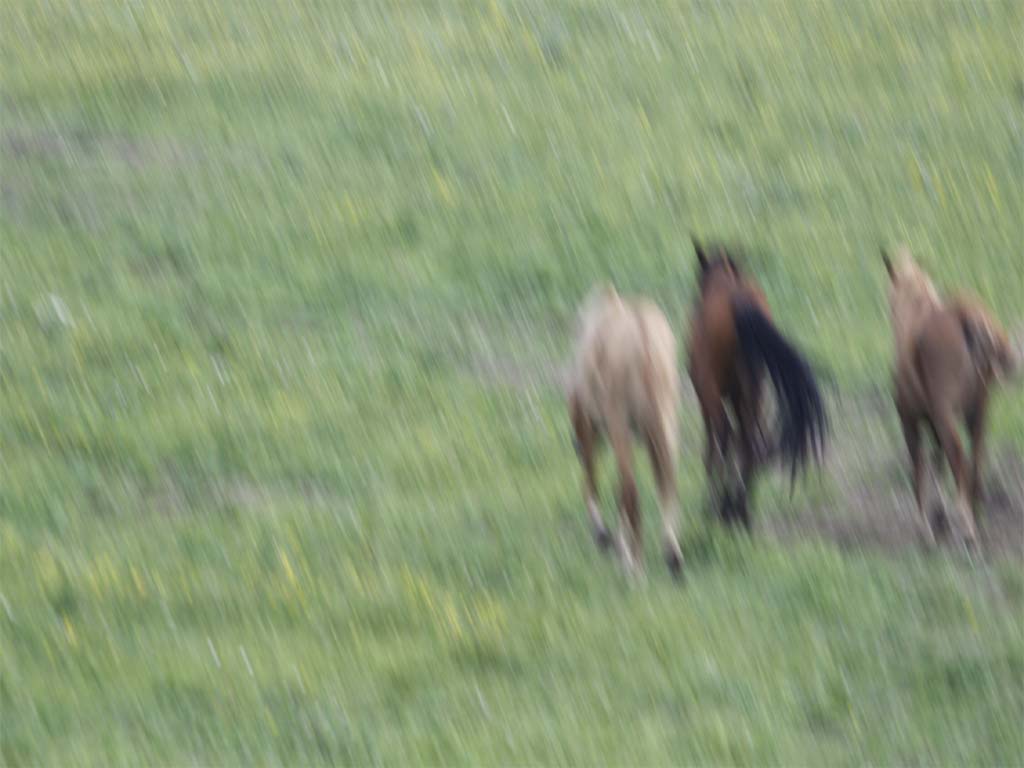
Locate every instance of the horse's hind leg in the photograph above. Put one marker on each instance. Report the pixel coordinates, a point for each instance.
(664, 462)
(630, 543)
(945, 427)
(748, 465)
(587, 443)
(748, 412)
(976, 428)
(716, 431)
(912, 435)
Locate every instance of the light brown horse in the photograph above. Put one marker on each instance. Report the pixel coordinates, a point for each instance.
(624, 384)
(733, 342)
(948, 357)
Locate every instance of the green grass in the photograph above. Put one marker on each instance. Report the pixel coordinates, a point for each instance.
(286, 474)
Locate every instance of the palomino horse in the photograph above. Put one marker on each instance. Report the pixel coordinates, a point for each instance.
(948, 356)
(732, 342)
(624, 383)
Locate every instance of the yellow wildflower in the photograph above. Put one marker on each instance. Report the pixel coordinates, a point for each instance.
(69, 628)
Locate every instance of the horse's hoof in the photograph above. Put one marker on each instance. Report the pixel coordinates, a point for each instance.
(742, 514)
(674, 560)
(970, 543)
(604, 539)
(636, 575)
(939, 521)
(633, 571)
(727, 509)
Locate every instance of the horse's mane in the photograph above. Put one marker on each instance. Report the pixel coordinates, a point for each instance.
(741, 257)
(912, 294)
(720, 250)
(598, 296)
(719, 254)
(911, 277)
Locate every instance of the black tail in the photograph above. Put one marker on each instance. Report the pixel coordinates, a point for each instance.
(802, 417)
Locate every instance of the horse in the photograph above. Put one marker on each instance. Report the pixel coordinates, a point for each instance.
(949, 355)
(733, 341)
(624, 384)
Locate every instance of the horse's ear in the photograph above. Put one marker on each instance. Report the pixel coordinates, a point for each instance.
(702, 258)
(888, 264)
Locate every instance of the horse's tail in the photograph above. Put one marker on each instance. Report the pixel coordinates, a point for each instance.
(666, 398)
(988, 345)
(802, 417)
(660, 375)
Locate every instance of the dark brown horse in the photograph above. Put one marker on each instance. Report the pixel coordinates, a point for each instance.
(733, 342)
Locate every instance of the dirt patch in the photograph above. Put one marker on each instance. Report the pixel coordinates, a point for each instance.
(252, 496)
(83, 145)
(876, 508)
(24, 149)
(173, 496)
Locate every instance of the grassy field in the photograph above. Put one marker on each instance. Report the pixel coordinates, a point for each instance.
(286, 473)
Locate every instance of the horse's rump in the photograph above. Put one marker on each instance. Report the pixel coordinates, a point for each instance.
(625, 363)
(945, 351)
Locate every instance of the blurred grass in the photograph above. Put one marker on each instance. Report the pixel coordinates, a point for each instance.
(286, 472)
